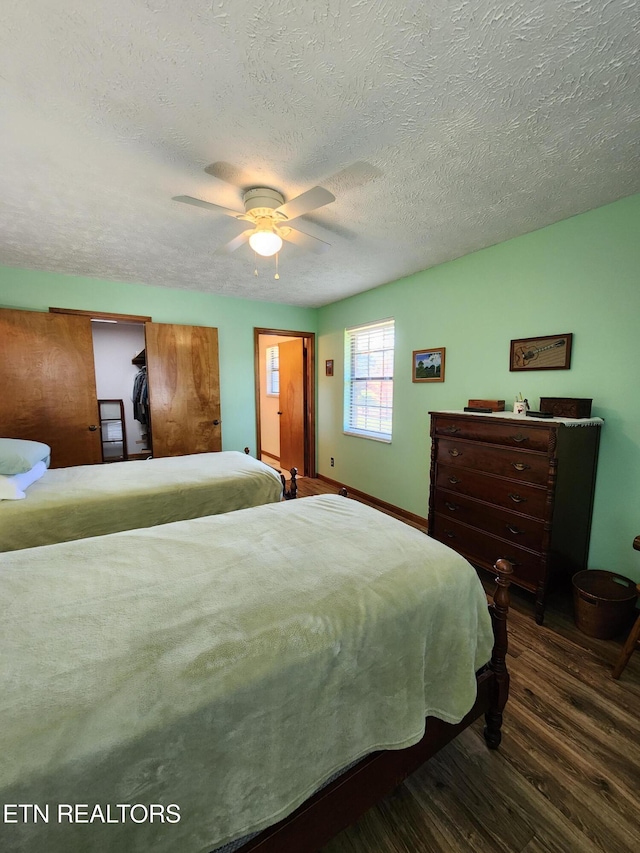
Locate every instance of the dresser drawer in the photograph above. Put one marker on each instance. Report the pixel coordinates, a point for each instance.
(483, 549)
(509, 433)
(530, 467)
(519, 497)
(521, 530)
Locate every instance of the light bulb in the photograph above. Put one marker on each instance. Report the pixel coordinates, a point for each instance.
(265, 243)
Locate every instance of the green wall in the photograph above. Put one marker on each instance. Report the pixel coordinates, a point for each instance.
(581, 275)
(234, 318)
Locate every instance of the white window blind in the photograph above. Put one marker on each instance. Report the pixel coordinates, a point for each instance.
(273, 371)
(368, 402)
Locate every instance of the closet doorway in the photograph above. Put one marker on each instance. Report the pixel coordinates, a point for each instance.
(285, 399)
(48, 376)
(183, 385)
(120, 368)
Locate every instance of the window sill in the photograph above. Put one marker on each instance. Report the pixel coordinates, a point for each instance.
(370, 436)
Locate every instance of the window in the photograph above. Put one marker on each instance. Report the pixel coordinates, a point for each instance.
(273, 371)
(368, 380)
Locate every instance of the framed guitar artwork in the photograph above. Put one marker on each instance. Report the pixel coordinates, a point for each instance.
(551, 352)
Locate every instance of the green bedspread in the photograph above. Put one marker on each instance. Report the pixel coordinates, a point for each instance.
(91, 500)
(228, 665)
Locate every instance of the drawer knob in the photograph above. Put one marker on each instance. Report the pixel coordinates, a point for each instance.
(517, 499)
(454, 452)
(451, 429)
(513, 529)
(454, 480)
(519, 437)
(451, 507)
(520, 466)
(450, 534)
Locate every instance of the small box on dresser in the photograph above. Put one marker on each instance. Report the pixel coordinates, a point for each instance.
(503, 486)
(494, 405)
(566, 407)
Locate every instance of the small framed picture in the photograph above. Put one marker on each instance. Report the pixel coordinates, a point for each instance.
(428, 365)
(328, 367)
(551, 352)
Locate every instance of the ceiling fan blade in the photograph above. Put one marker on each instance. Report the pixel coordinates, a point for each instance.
(311, 200)
(230, 174)
(305, 241)
(352, 177)
(234, 244)
(198, 202)
(333, 227)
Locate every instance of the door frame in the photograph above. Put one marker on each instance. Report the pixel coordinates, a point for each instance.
(309, 343)
(104, 315)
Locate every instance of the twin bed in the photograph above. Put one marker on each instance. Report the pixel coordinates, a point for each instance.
(93, 500)
(268, 672)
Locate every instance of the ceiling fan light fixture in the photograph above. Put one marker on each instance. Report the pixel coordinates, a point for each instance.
(264, 241)
(267, 211)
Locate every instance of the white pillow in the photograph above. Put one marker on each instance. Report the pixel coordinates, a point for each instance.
(17, 455)
(23, 481)
(9, 490)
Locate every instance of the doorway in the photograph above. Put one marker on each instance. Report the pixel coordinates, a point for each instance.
(284, 366)
(118, 355)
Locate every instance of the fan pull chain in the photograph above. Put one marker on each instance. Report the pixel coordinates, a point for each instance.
(255, 261)
(277, 275)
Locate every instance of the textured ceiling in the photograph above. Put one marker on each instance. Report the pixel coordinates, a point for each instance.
(441, 127)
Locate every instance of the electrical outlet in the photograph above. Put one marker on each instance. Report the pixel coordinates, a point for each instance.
(332, 462)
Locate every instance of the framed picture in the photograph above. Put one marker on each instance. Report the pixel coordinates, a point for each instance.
(328, 367)
(428, 365)
(551, 352)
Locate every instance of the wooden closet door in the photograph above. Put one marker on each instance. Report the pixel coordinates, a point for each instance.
(292, 405)
(184, 388)
(48, 384)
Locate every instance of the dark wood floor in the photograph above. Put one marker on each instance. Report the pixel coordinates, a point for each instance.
(567, 776)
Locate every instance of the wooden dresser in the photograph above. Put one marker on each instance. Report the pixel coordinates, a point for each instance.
(515, 487)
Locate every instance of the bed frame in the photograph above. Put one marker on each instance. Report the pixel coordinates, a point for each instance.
(292, 492)
(343, 801)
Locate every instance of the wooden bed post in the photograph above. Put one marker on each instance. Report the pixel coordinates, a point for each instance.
(499, 610)
(292, 491)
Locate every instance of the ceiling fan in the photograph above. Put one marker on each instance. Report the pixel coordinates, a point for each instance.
(270, 216)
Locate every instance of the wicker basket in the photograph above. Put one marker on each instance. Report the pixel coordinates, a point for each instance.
(604, 603)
